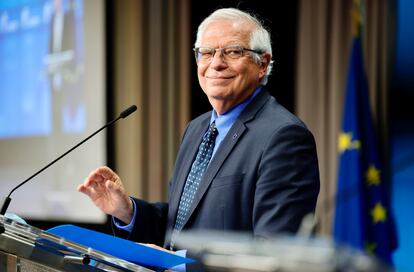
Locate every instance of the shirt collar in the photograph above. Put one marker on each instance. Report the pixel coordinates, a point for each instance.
(226, 120)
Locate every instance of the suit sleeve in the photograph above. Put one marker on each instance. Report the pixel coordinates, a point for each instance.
(151, 220)
(288, 183)
(150, 223)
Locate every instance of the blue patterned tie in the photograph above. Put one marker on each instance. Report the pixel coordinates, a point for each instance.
(192, 183)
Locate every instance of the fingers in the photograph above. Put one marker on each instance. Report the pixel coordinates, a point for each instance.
(81, 188)
(102, 178)
(87, 190)
(95, 177)
(104, 187)
(107, 173)
(110, 185)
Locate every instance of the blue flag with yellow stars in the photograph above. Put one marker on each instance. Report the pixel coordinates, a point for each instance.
(362, 217)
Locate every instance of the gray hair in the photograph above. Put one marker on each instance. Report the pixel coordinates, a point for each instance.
(259, 39)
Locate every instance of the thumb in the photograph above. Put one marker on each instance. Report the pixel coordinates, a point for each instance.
(113, 186)
(110, 185)
(82, 189)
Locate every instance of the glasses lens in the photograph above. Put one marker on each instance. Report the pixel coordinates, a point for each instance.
(204, 54)
(233, 52)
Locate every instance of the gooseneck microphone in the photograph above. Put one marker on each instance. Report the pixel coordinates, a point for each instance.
(6, 200)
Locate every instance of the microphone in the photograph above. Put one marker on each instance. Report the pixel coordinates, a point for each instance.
(6, 200)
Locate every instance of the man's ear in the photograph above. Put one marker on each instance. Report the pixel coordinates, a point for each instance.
(264, 63)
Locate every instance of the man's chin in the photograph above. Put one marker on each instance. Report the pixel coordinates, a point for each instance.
(218, 91)
(217, 95)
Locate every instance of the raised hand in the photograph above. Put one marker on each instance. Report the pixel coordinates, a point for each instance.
(105, 189)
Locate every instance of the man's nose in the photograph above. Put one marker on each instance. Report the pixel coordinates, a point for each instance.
(218, 59)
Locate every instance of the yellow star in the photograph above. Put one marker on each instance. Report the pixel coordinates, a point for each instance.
(378, 213)
(370, 247)
(373, 175)
(345, 142)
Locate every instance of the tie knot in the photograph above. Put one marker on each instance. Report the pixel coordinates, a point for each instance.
(212, 131)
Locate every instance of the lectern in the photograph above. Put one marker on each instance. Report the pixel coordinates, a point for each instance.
(27, 248)
(241, 252)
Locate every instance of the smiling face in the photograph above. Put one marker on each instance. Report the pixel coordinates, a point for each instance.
(227, 83)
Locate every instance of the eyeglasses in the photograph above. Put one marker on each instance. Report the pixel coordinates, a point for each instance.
(205, 55)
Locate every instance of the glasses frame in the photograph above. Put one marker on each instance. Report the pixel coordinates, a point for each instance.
(223, 56)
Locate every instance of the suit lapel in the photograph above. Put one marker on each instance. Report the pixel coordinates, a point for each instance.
(196, 135)
(225, 149)
(217, 161)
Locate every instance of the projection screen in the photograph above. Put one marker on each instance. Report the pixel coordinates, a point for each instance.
(52, 95)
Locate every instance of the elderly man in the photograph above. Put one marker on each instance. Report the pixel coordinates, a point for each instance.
(247, 165)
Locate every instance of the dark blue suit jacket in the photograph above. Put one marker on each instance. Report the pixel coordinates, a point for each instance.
(263, 178)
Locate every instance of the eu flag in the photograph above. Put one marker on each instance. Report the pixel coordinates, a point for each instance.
(363, 217)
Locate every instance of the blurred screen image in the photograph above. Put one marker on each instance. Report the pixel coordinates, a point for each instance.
(48, 104)
(42, 68)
